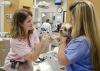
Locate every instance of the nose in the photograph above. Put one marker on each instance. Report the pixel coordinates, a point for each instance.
(31, 22)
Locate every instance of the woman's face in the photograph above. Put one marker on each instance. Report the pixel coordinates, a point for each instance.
(27, 25)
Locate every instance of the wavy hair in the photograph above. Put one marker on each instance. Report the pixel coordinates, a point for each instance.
(19, 17)
(85, 24)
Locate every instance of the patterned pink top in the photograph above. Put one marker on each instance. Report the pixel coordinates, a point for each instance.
(19, 48)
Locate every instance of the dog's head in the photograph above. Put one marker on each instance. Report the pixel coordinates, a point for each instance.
(66, 30)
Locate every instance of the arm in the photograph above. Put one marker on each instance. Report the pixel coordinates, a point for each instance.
(61, 55)
(75, 51)
(33, 55)
(23, 50)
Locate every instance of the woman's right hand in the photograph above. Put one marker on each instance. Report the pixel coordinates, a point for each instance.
(46, 39)
(63, 39)
(55, 37)
(60, 38)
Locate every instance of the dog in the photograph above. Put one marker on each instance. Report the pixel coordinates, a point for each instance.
(66, 30)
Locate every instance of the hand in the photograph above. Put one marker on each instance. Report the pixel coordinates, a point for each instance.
(63, 39)
(55, 37)
(46, 38)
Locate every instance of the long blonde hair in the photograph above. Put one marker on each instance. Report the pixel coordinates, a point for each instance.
(85, 24)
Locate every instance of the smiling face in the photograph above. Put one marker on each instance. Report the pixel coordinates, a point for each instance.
(27, 24)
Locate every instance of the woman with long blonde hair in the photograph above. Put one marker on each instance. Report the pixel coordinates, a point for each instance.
(81, 53)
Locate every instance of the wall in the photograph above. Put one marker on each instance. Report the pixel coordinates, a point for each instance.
(16, 4)
(52, 6)
(1, 16)
(4, 48)
(27, 3)
(51, 9)
(68, 13)
(97, 8)
(7, 11)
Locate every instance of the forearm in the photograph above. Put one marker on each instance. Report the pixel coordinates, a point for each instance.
(37, 51)
(33, 55)
(61, 55)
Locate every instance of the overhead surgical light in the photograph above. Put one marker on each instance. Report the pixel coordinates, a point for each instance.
(5, 3)
(43, 15)
(43, 4)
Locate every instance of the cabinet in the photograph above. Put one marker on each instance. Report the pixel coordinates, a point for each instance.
(4, 48)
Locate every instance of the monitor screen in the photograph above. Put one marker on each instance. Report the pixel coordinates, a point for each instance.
(58, 2)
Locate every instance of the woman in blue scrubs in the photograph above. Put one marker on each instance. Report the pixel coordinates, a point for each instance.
(80, 54)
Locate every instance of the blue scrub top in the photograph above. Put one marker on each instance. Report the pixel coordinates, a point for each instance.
(78, 53)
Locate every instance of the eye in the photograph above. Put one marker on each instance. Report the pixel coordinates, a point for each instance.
(28, 21)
